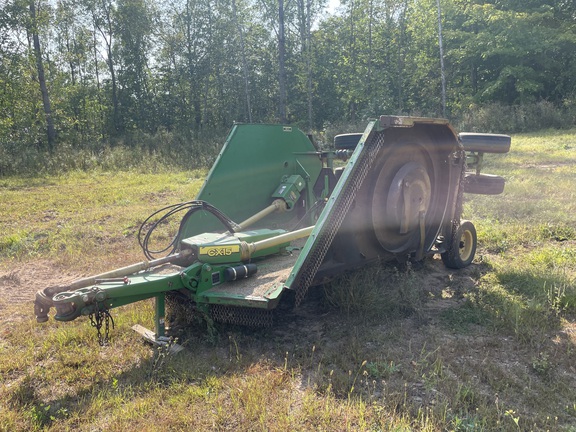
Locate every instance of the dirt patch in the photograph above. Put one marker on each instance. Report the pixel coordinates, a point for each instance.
(19, 284)
(21, 281)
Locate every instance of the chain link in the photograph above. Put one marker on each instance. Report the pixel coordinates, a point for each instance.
(247, 316)
(99, 318)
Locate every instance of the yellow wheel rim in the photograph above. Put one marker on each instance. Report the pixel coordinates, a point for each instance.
(466, 245)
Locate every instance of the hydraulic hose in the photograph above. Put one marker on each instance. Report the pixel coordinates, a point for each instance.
(190, 207)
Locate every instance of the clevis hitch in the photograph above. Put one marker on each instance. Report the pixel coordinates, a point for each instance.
(83, 301)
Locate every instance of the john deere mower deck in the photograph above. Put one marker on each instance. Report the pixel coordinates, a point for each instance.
(275, 215)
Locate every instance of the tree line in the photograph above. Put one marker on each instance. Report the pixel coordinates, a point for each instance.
(83, 74)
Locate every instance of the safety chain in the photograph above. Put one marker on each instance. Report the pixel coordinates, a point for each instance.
(97, 319)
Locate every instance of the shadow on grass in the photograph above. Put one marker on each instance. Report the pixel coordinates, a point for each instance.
(466, 346)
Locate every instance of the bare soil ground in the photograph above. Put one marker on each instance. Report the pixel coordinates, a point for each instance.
(19, 284)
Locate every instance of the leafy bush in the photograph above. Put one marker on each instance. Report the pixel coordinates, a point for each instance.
(138, 150)
(528, 117)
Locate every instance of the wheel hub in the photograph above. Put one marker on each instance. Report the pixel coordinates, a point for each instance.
(409, 197)
(399, 207)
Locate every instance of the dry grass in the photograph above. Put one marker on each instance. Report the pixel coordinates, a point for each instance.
(492, 347)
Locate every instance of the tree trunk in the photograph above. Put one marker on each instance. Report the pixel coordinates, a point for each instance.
(442, 73)
(352, 55)
(370, 24)
(108, 40)
(71, 65)
(309, 63)
(401, 54)
(50, 131)
(281, 63)
(244, 62)
(304, 18)
(116, 114)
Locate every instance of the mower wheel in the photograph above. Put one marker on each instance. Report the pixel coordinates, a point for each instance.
(485, 143)
(462, 248)
(484, 184)
(347, 141)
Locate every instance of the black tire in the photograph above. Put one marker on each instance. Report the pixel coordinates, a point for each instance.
(347, 141)
(462, 247)
(485, 143)
(484, 184)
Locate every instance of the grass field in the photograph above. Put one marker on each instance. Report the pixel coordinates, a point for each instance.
(490, 347)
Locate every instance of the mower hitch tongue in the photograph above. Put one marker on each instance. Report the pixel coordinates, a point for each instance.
(277, 215)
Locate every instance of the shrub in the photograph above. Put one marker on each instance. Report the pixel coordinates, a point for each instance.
(146, 152)
(527, 117)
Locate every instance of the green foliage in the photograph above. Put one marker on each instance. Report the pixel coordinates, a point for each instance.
(125, 69)
(382, 370)
(139, 151)
(525, 117)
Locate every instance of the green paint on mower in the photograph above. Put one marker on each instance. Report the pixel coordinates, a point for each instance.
(275, 216)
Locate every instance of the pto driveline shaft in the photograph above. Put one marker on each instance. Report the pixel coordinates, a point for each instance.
(125, 271)
(43, 301)
(248, 249)
(278, 205)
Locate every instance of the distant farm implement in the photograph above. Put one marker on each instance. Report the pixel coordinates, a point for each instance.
(276, 215)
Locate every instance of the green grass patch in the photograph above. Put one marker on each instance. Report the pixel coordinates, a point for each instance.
(490, 347)
(67, 216)
(376, 292)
